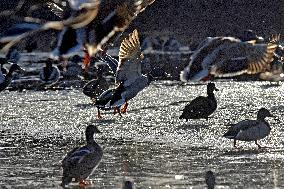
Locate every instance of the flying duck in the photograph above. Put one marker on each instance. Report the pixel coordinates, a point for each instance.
(91, 24)
(129, 79)
(5, 80)
(250, 130)
(80, 162)
(210, 180)
(201, 107)
(229, 56)
(49, 74)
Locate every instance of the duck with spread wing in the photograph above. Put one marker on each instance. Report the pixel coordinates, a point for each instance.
(229, 56)
(129, 78)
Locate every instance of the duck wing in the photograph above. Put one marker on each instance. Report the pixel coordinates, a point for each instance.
(81, 161)
(84, 13)
(108, 26)
(70, 41)
(244, 57)
(129, 67)
(234, 130)
(202, 58)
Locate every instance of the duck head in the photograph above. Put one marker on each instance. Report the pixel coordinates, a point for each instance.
(211, 87)
(90, 131)
(263, 113)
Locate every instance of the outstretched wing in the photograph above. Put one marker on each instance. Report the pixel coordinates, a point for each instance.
(129, 67)
(251, 59)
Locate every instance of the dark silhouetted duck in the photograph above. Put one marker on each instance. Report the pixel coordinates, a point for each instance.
(250, 130)
(49, 74)
(201, 107)
(127, 185)
(80, 163)
(96, 86)
(5, 80)
(210, 180)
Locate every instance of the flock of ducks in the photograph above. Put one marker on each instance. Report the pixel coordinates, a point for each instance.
(91, 24)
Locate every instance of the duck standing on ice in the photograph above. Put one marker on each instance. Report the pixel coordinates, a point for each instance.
(201, 107)
(250, 130)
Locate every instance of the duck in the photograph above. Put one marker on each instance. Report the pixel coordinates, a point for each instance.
(81, 162)
(127, 185)
(91, 24)
(201, 107)
(96, 86)
(250, 130)
(49, 74)
(210, 180)
(129, 79)
(229, 56)
(5, 80)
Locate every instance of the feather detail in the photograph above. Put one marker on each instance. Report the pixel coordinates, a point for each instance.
(130, 47)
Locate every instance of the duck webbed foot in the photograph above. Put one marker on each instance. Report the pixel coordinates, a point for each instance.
(124, 107)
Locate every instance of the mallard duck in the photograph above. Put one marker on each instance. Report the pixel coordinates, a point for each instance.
(228, 56)
(92, 24)
(127, 185)
(129, 79)
(250, 130)
(201, 107)
(96, 86)
(49, 74)
(5, 80)
(80, 162)
(210, 180)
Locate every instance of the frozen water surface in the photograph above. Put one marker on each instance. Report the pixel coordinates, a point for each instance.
(149, 144)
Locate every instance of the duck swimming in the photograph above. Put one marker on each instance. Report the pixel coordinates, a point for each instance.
(229, 56)
(250, 130)
(201, 107)
(80, 162)
(5, 80)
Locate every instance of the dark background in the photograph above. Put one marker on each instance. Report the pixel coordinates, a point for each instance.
(191, 21)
